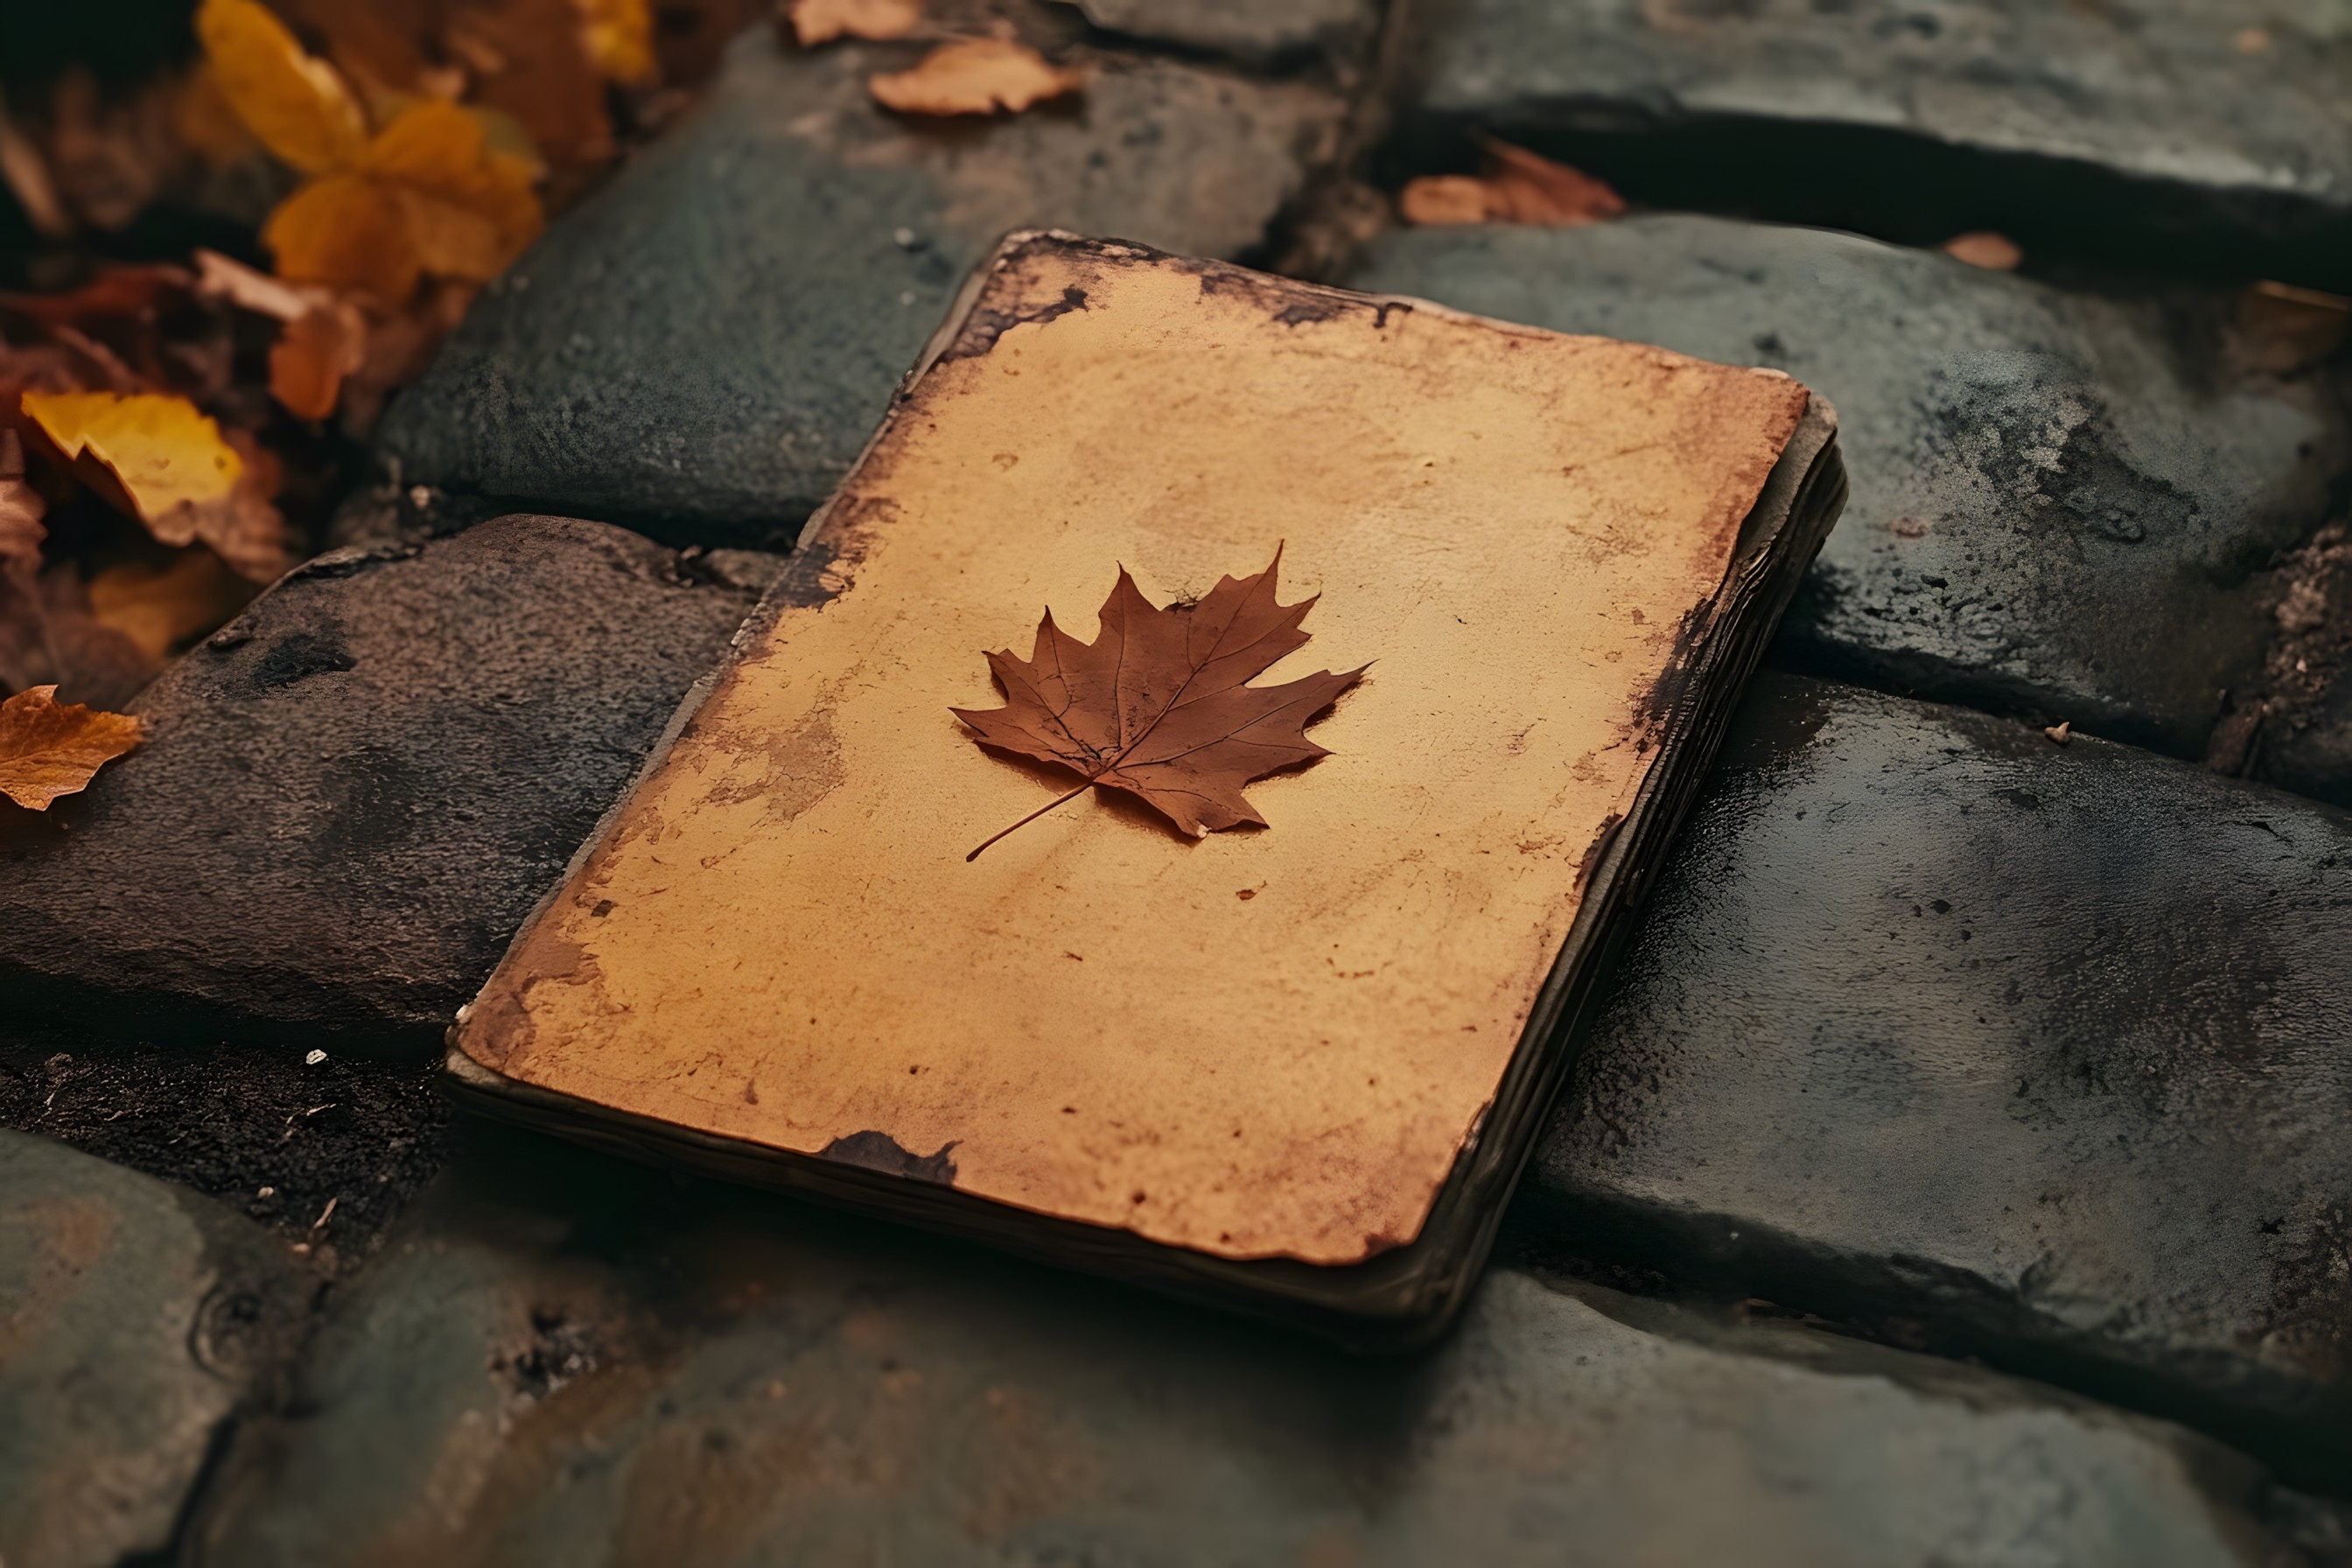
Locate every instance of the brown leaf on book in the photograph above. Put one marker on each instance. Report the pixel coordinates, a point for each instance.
(974, 75)
(49, 748)
(1158, 704)
(1518, 186)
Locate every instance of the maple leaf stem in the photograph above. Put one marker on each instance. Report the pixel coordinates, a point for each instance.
(1064, 800)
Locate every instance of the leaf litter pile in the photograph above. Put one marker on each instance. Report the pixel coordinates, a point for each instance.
(241, 248)
(236, 255)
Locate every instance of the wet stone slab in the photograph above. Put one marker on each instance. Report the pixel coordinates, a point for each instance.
(566, 1361)
(2037, 1053)
(136, 1320)
(702, 348)
(2217, 137)
(353, 794)
(2061, 505)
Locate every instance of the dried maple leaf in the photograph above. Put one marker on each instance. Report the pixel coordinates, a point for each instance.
(49, 748)
(974, 75)
(1158, 704)
(1517, 186)
(818, 21)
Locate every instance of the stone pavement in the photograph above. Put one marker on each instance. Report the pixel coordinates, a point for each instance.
(1956, 1173)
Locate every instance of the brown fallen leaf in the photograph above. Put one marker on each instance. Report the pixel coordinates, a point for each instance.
(818, 21)
(21, 507)
(1994, 252)
(161, 606)
(1517, 186)
(98, 663)
(49, 748)
(2280, 328)
(1159, 705)
(26, 172)
(129, 329)
(974, 75)
(21, 620)
(322, 336)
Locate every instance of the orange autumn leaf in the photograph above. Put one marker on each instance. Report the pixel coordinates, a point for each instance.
(346, 231)
(1517, 186)
(179, 474)
(470, 208)
(974, 75)
(49, 748)
(428, 196)
(322, 338)
(816, 21)
(314, 355)
(1995, 252)
(296, 104)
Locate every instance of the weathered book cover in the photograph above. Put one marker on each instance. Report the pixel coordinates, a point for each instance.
(1297, 1066)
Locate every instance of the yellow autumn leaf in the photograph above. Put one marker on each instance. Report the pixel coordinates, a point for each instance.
(49, 748)
(163, 450)
(428, 194)
(182, 476)
(620, 38)
(296, 104)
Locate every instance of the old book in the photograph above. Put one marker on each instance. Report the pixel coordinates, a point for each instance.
(1295, 1068)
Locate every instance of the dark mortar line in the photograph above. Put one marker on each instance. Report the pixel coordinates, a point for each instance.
(1958, 1317)
(1676, 160)
(1926, 679)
